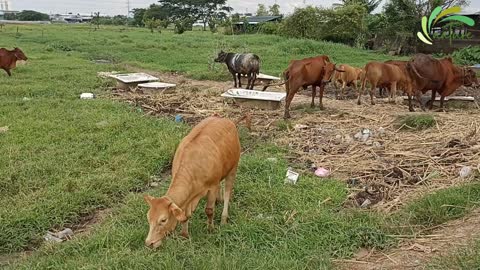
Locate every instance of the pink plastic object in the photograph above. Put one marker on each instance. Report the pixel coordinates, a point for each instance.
(322, 172)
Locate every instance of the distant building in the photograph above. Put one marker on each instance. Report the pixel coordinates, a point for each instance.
(3, 12)
(71, 18)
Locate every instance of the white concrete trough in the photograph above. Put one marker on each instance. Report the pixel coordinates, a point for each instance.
(131, 80)
(157, 87)
(262, 80)
(476, 67)
(256, 99)
(453, 101)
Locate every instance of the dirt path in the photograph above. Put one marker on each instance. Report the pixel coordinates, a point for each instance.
(417, 253)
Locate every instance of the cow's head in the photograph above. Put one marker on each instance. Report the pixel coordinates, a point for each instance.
(19, 54)
(470, 77)
(329, 69)
(222, 57)
(163, 217)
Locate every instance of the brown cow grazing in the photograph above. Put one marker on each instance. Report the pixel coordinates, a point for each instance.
(315, 71)
(8, 59)
(349, 77)
(206, 156)
(440, 76)
(377, 73)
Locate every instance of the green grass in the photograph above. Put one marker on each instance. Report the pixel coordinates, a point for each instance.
(416, 121)
(63, 157)
(463, 259)
(191, 53)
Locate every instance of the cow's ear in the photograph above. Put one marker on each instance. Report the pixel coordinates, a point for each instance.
(148, 199)
(177, 212)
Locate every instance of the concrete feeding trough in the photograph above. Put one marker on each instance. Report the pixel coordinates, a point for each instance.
(262, 80)
(256, 99)
(157, 87)
(131, 80)
(476, 68)
(453, 101)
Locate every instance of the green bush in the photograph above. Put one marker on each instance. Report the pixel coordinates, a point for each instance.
(269, 28)
(467, 56)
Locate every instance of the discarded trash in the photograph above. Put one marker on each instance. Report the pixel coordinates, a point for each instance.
(3, 129)
(106, 74)
(178, 118)
(292, 177)
(363, 135)
(154, 184)
(348, 139)
(381, 131)
(87, 96)
(300, 127)
(353, 182)
(59, 237)
(26, 99)
(465, 172)
(272, 159)
(366, 203)
(322, 172)
(369, 143)
(377, 145)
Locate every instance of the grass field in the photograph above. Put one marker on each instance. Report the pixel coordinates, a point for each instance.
(63, 157)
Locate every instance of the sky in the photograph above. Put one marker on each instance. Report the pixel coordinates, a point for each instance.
(113, 7)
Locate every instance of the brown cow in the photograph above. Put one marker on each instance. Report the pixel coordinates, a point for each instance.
(315, 71)
(440, 76)
(351, 76)
(377, 73)
(8, 59)
(208, 154)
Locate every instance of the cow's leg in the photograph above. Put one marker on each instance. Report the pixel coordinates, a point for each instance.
(418, 96)
(188, 213)
(254, 78)
(8, 72)
(314, 93)
(290, 94)
(336, 89)
(229, 181)
(434, 96)
(219, 193)
(372, 90)
(442, 99)
(234, 79)
(355, 87)
(342, 93)
(320, 96)
(410, 106)
(210, 207)
(393, 92)
(239, 76)
(360, 92)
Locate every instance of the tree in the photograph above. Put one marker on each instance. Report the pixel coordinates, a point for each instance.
(158, 12)
(262, 10)
(370, 5)
(210, 10)
(30, 15)
(275, 10)
(138, 15)
(96, 20)
(152, 24)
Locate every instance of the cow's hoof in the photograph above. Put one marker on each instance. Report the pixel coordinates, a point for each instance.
(322, 108)
(224, 221)
(373, 103)
(211, 228)
(411, 110)
(359, 103)
(287, 116)
(312, 106)
(185, 235)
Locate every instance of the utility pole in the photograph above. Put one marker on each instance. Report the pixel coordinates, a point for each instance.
(128, 11)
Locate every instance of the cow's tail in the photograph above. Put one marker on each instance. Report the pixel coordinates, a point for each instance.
(248, 121)
(286, 78)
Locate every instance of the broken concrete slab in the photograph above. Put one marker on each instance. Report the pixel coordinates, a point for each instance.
(256, 99)
(129, 81)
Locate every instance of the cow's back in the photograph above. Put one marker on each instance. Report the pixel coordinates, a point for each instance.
(209, 152)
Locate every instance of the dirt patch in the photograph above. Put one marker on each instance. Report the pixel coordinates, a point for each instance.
(384, 164)
(417, 252)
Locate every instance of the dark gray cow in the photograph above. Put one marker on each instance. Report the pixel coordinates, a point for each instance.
(241, 64)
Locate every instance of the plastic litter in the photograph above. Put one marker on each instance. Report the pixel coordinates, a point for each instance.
(291, 177)
(87, 96)
(300, 127)
(60, 236)
(178, 118)
(366, 203)
(4, 129)
(322, 172)
(465, 172)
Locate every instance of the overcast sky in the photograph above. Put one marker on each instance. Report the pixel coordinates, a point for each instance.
(112, 7)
